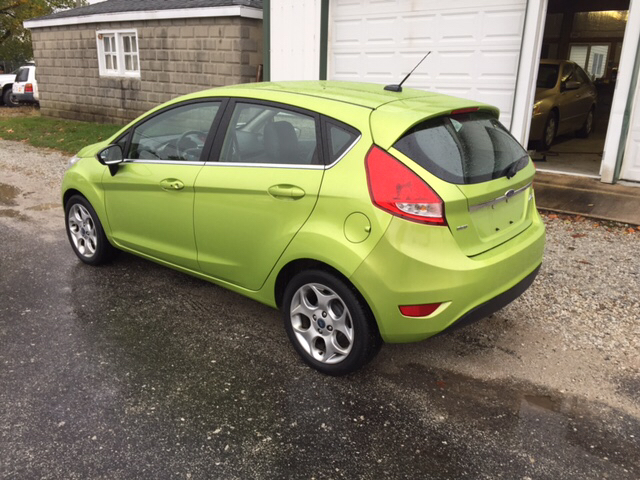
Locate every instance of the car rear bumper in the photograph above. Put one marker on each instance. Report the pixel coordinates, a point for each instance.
(413, 266)
(24, 98)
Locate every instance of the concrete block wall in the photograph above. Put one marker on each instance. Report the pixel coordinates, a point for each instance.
(177, 57)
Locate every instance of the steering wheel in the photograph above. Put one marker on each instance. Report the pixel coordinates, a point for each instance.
(183, 151)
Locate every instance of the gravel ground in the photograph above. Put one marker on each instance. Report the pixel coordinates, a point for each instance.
(576, 331)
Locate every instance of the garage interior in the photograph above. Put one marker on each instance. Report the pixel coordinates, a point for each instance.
(589, 33)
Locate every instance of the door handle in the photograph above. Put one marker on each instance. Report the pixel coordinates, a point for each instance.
(171, 184)
(286, 192)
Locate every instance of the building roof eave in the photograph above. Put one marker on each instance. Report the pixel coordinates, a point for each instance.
(226, 11)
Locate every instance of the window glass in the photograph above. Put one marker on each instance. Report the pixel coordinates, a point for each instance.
(264, 134)
(582, 76)
(339, 141)
(463, 149)
(23, 75)
(177, 134)
(547, 75)
(119, 53)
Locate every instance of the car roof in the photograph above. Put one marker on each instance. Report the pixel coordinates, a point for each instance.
(369, 95)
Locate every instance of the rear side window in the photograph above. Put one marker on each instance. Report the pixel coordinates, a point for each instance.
(23, 75)
(464, 149)
(340, 138)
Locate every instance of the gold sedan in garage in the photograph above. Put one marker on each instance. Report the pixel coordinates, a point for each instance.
(565, 102)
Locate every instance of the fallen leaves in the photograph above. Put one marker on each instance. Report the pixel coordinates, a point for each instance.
(10, 130)
(578, 235)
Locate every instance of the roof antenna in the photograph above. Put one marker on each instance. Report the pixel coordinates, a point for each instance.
(398, 88)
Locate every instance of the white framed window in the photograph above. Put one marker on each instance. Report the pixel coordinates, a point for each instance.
(118, 53)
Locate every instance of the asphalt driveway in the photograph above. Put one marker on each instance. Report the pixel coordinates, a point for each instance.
(133, 370)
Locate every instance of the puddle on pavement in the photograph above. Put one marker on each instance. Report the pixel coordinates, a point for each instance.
(8, 193)
(11, 213)
(542, 401)
(44, 206)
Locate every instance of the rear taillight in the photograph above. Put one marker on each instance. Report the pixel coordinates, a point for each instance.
(28, 88)
(398, 190)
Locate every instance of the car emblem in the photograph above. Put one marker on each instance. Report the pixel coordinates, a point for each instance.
(509, 193)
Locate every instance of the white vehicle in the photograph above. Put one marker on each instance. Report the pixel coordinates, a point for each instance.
(6, 84)
(25, 87)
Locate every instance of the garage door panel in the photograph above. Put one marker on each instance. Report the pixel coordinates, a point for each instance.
(475, 45)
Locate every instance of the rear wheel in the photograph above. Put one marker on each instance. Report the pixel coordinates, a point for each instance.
(329, 325)
(6, 98)
(587, 128)
(85, 232)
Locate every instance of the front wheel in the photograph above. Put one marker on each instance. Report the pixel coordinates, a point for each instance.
(85, 232)
(549, 133)
(329, 325)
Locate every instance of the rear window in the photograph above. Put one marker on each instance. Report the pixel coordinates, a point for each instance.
(464, 149)
(23, 75)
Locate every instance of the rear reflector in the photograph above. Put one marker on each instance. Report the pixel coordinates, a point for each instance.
(419, 310)
(28, 88)
(395, 188)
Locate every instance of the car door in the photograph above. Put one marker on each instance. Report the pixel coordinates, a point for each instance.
(257, 191)
(569, 101)
(149, 200)
(587, 95)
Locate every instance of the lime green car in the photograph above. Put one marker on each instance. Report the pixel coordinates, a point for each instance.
(365, 215)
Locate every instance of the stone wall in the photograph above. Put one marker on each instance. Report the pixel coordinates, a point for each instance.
(176, 57)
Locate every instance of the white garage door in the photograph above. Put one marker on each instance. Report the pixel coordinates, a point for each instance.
(475, 45)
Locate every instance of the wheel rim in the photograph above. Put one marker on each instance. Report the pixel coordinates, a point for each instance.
(83, 230)
(322, 323)
(550, 132)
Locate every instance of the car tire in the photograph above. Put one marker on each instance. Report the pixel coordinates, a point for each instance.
(587, 128)
(85, 232)
(329, 324)
(8, 101)
(549, 132)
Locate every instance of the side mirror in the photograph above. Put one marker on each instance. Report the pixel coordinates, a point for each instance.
(111, 156)
(572, 85)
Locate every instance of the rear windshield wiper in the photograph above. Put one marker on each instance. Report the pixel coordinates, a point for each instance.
(512, 169)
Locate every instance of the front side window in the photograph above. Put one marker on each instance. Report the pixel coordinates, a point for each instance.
(463, 149)
(547, 76)
(177, 134)
(118, 53)
(266, 134)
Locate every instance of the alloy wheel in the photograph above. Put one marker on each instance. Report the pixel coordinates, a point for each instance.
(83, 230)
(322, 323)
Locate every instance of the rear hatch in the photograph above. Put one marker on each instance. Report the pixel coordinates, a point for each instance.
(480, 171)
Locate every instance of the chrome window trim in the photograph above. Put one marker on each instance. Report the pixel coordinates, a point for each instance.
(353, 144)
(162, 162)
(503, 198)
(285, 165)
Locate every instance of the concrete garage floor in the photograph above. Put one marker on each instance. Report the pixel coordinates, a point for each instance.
(133, 370)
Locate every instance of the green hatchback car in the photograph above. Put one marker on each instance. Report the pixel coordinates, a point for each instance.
(365, 215)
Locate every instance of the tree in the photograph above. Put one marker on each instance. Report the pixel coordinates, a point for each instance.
(15, 40)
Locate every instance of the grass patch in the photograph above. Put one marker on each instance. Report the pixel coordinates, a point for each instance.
(67, 136)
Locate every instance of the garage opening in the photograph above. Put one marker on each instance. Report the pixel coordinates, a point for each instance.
(575, 84)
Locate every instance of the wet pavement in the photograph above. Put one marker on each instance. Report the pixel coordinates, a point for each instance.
(132, 370)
